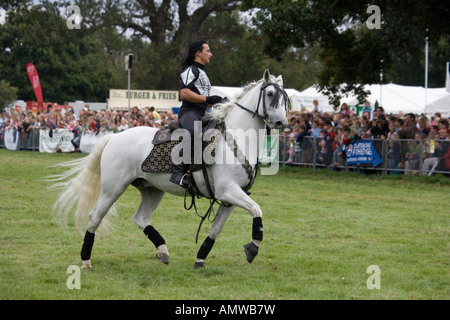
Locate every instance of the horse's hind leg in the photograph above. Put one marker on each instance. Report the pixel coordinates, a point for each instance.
(150, 200)
(222, 216)
(104, 203)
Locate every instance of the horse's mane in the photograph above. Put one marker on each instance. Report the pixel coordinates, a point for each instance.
(253, 84)
(247, 88)
(221, 110)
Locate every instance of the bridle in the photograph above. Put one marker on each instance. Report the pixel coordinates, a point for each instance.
(279, 92)
(238, 154)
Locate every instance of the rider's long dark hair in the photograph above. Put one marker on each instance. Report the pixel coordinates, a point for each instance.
(189, 58)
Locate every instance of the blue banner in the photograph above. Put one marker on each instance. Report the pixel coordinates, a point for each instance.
(362, 152)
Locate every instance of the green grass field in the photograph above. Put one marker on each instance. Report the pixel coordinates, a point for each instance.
(322, 230)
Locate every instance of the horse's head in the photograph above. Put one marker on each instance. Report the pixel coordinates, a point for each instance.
(273, 100)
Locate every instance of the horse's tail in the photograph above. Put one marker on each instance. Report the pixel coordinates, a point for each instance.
(81, 186)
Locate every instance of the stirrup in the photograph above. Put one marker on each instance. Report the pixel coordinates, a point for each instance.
(187, 181)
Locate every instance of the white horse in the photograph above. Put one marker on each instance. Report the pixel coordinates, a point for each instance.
(95, 182)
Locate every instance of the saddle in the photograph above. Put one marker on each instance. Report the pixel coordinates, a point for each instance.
(160, 158)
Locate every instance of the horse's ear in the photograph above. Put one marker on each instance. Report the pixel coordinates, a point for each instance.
(280, 80)
(266, 76)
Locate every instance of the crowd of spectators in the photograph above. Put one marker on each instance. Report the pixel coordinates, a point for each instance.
(414, 143)
(85, 121)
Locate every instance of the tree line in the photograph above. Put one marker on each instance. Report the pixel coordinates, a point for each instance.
(308, 42)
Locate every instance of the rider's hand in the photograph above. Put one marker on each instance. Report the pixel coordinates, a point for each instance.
(213, 99)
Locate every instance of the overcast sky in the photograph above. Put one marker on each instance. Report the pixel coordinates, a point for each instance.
(2, 16)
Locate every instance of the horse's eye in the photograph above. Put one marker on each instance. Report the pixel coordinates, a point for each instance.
(270, 94)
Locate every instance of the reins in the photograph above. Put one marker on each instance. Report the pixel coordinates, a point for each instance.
(194, 191)
(212, 202)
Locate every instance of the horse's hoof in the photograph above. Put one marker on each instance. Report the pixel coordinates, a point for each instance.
(199, 265)
(250, 251)
(163, 257)
(86, 264)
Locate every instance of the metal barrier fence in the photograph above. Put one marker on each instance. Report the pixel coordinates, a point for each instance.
(26, 140)
(409, 157)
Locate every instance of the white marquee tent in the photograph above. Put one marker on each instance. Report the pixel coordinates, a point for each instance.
(392, 97)
(441, 105)
(306, 98)
(230, 92)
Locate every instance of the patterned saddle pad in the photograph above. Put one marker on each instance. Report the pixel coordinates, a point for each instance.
(160, 158)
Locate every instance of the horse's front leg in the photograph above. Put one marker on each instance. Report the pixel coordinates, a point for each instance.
(222, 215)
(239, 198)
(251, 248)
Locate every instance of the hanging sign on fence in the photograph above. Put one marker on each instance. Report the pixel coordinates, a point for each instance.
(88, 140)
(60, 141)
(362, 152)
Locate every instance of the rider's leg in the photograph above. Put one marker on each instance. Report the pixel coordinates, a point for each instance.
(187, 120)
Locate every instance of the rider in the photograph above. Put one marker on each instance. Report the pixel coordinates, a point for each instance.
(195, 88)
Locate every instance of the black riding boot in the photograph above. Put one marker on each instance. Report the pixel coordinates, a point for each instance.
(179, 175)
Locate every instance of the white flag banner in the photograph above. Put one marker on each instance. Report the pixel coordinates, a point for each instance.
(11, 139)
